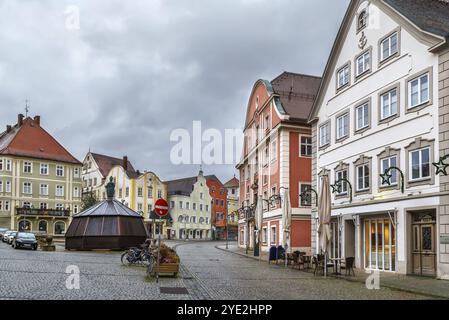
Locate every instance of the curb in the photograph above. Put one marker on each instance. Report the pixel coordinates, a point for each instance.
(388, 286)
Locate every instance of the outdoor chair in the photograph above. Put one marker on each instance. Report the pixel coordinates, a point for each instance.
(349, 266)
(319, 263)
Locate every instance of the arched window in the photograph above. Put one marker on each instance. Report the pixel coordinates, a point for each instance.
(24, 226)
(43, 226)
(362, 20)
(180, 219)
(59, 227)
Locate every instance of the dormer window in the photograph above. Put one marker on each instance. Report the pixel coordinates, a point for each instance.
(257, 102)
(362, 20)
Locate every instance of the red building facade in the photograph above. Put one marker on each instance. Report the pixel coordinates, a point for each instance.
(276, 157)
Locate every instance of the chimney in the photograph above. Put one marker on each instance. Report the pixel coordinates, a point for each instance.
(20, 120)
(37, 120)
(125, 163)
(8, 128)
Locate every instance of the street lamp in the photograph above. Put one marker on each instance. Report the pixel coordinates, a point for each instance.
(227, 222)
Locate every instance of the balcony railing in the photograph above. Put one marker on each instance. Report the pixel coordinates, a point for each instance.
(42, 212)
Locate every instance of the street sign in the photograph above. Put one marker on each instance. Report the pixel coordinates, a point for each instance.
(161, 208)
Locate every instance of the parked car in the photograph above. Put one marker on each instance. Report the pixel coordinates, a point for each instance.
(24, 240)
(5, 235)
(2, 232)
(10, 237)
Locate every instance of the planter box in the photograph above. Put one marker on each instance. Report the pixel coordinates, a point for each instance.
(167, 269)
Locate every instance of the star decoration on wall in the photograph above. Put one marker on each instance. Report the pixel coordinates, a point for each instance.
(441, 166)
(336, 188)
(386, 178)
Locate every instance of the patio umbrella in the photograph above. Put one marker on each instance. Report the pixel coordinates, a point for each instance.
(286, 221)
(259, 220)
(324, 213)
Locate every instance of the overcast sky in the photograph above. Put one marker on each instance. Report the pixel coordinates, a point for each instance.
(136, 70)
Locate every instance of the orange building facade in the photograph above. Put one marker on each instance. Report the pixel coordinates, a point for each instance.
(277, 156)
(219, 195)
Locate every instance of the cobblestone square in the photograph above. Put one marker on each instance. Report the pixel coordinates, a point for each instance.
(206, 272)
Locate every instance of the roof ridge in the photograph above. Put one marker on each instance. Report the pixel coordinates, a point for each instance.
(295, 74)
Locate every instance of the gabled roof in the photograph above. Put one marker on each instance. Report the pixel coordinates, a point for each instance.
(293, 95)
(106, 163)
(214, 177)
(297, 93)
(181, 186)
(233, 183)
(29, 139)
(428, 16)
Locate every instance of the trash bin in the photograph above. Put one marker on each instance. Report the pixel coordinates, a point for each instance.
(279, 251)
(272, 254)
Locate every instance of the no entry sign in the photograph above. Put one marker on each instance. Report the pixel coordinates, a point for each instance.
(161, 208)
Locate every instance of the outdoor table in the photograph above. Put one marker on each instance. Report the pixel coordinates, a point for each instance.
(337, 261)
(307, 260)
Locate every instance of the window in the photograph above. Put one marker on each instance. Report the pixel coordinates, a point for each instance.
(1, 164)
(59, 207)
(273, 235)
(306, 200)
(264, 235)
(140, 192)
(343, 126)
(216, 202)
(44, 169)
(386, 164)
(140, 207)
(340, 175)
(362, 117)
(267, 122)
(8, 165)
(273, 150)
(201, 195)
(172, 204)
(363, 177)
(43, 206)
(207, 208)
(60, 171)
(389, 46)
(26, 205)
(27, 188)
(362, 20)
(389, 104)
(7, 205)
(75, 209)
(59, 228)
(60, 191)
(201, 207)
(420, 164)
(363, 63)
(1, 205)
(150, 208)
(43, 226)
(159, 194)
(27, 167)
(120, 193)
(188, 205)
(127, 192)
(306, 146)
(8, 187)
(76, 172)
(325, 134)
(1, 186)
(194, 206)
(213, 189)
(43, 190)
(76, 192)
(418, 91)
(180, 204)
(150, 192)
(343, 77)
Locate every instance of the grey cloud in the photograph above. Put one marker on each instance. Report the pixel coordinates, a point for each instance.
(136, 70)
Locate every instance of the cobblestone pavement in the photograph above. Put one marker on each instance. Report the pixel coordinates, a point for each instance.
(206, 272)
(226, 275)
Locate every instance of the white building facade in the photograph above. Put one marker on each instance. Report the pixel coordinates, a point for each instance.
(190, 208)
(381, 110)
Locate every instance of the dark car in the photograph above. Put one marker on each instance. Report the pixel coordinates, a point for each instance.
(2, 232)
(24, 240)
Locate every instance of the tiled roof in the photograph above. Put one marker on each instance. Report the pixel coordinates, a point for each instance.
(108, 208)
(429, 15)
(29, 139)
(181, 186)
(233, 183)
(297, 93)
(106, 163)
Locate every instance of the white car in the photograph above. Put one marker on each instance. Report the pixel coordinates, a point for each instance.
(10, 237)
